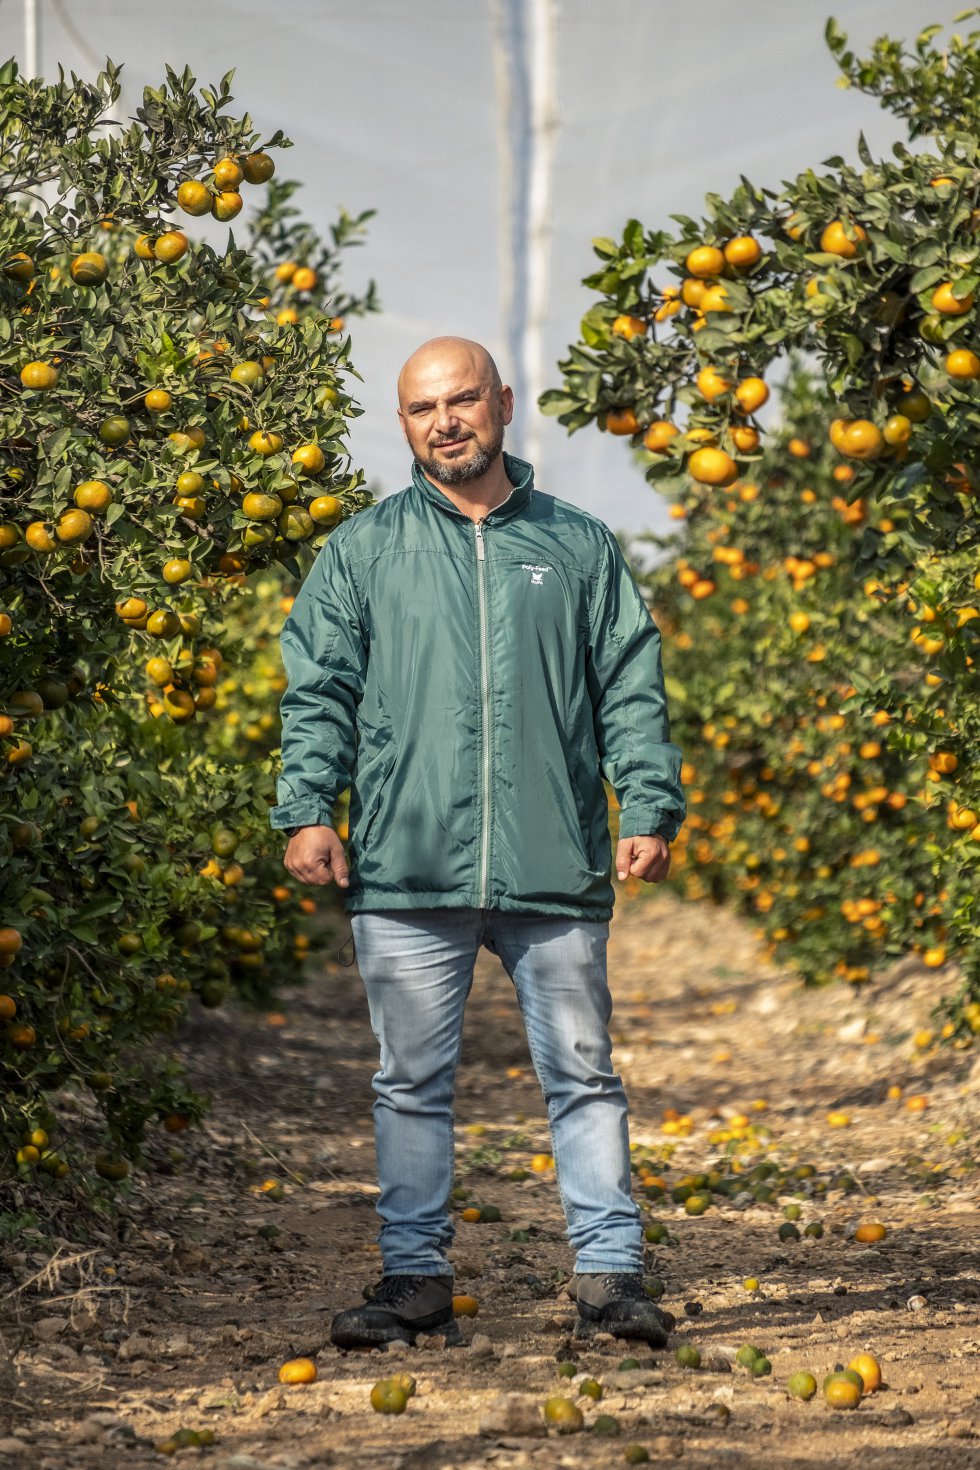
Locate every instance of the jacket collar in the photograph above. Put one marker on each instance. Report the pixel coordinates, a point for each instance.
(519, 473)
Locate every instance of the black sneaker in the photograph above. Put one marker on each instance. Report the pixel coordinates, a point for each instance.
(401, 1307)
(616, 1302)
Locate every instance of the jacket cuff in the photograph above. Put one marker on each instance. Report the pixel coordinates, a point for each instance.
(667, 821)
(305, 811)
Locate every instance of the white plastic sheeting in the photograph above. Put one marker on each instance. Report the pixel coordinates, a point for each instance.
(495, 138)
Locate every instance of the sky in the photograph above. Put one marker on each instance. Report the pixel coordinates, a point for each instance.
(420, 111)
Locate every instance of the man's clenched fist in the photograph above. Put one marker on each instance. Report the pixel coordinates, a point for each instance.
(316, 855)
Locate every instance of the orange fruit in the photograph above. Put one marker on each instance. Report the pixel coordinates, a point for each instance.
(659, 435)
(325, 510)
(840, 1393)
(19, 267)
(963, 364)
(39, 375)
(862, 439)
(947, 304)
(93, 495)
(705, 261)
(836, 240)
(265, 443)
(227, 173)
(745, 438)
(629, 327)
(870, 1233)
(298, 1370)
(712, 384)
(258, 168)
(89, 269)
(712, 467)
(170, 246)
(621, 421)
(194, 197)
(564, 1413)
(869, 1369)
(751, 394)
(309, 457)
(226, 205)
(743, 251)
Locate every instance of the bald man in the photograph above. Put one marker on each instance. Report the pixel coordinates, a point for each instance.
(471, 656)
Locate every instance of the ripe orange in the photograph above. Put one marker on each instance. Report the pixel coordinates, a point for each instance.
(194, 197)
(157, 400)
(89, 269)
(862, 439)
(750, 395)
(629, 327)
(705, 261)
(712, 467)
(326, 510)
(265, 443)
(227, 173)
(836, 240)
(743, 251)
(226, 205)
(869, 1369)
(963, 364)
(309, 457)
(621, 421)
(298, 1370)
(170, 246)
(712, 384)
(39, 375)
(658, 435)
(258, 168)
(93, 495)
(841, 1392)
(74, 525)
(947, 304)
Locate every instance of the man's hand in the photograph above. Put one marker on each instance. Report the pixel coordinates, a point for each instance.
(643, 857)
(316, 855)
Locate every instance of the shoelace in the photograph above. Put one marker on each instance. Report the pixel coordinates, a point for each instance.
(394, 1291)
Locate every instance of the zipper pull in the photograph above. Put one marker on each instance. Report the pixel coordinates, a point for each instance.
(480, 548)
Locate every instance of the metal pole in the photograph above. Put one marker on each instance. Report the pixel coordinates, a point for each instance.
(31, 38)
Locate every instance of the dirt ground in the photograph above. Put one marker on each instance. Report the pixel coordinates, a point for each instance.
(179, 1314)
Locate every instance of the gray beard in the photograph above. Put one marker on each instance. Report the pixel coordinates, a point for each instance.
(472, 469)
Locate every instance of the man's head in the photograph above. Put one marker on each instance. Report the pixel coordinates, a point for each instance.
(453, 409)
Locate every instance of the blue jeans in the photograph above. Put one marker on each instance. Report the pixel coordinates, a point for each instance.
(417, 967)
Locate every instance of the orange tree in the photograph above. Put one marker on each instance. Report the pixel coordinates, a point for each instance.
(163, 433)
(872, 271)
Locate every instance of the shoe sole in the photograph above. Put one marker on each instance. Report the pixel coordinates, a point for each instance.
(380, 1337)
(585, 1330)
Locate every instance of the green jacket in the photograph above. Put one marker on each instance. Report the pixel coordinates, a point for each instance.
(472, 683)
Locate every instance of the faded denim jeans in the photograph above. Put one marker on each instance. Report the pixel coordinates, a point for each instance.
(417, 967)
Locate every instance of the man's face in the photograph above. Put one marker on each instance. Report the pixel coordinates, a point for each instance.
(454, 418)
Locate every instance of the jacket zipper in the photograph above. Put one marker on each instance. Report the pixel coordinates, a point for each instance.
(485, 722)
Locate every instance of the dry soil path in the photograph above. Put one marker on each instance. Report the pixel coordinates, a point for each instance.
(179, 1314)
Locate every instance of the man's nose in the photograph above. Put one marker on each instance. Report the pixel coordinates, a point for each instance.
(446, 419)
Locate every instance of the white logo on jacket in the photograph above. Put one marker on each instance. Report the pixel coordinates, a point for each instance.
(537, 573)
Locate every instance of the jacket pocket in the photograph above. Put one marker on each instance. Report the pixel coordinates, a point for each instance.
(371, 780)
